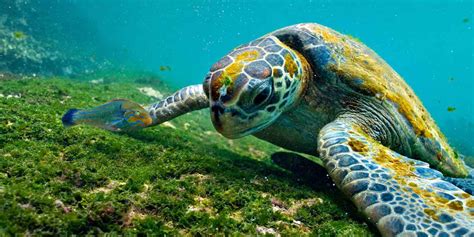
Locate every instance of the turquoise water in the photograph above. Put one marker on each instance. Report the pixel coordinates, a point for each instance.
(429, 42)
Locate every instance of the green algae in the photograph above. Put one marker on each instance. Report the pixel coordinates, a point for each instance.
(176, 179)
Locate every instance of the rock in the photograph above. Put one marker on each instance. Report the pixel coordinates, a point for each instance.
(186, 126)
(150, 92)
(168, 124)
(265, 230)
(13, 96)
(97, 81)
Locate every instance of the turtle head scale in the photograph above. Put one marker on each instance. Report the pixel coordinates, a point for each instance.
(251, 86)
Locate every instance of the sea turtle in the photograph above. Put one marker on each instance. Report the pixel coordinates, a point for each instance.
(313, 90)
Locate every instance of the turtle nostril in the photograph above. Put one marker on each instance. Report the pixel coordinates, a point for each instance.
(217, 109)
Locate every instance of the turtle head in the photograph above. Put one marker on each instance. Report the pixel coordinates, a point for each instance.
(253, 85)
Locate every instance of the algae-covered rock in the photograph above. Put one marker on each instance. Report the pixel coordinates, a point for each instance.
(33, 41)
(183, 181)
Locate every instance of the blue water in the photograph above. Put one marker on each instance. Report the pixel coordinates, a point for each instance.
(428, 42)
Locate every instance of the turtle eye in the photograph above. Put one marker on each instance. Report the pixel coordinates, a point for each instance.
(262, 96)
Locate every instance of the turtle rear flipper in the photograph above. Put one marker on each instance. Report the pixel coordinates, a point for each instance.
(116, 115)
(398, 194)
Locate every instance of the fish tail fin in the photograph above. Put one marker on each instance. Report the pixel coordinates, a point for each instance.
(68, 117)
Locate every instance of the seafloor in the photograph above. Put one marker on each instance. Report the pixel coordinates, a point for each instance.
(179, 178)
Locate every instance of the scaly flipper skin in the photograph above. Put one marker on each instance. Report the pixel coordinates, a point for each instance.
(398, 194)
(466, 184)
(187, 99)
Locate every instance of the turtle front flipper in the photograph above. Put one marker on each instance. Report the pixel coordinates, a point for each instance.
(125, 115)
(183, 101)
(466, 184)
(398, 194)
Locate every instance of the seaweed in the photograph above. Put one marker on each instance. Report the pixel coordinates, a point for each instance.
(183, 179)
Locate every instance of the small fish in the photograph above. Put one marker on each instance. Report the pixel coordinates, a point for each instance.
(116, 115)
(451, 109)
(465, 20)
(165, 68)
(19, 35)
(451, 78)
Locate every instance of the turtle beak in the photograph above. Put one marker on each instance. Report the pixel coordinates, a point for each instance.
(225, 123)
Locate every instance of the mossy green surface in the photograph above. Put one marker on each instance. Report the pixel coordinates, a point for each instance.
(182, 178)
